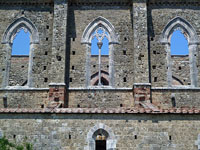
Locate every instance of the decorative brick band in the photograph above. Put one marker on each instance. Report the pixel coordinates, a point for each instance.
(142, 94)
(57, 95)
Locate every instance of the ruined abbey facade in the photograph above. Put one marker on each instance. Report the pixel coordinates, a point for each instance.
(135, 96)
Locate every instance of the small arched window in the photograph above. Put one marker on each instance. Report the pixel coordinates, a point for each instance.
(101, 137)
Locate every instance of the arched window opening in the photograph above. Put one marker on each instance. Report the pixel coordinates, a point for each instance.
(99, 38)
(100, 137)
(179, 43)
(99, 55)
(21, 43)
(180, 58)
(18, 74)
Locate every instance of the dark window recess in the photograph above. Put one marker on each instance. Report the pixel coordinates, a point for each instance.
(22, 66)
(47, 27)
(58, 58)
(100, 144)
(5, 102)
(154, 52)
(70, 79)
(78, 106)
(45, 68)
(107, 66)
(155, 79)
(154, 67)
(45, 79)
(14, 136)
(173, 102)
(73, 39)
(170, 137)
(70, 136)
(135, 136)
(24, 83)
(42, 106)
(125, 38)
(94, 66)
(72, 67)
(152, 38)
(22, 12)
(56, 99)
(179, 68)
(121, 105)
(47, 39)
(73, 52)
(3, 69)
(124, 52)
(124, 79)
(46, 53)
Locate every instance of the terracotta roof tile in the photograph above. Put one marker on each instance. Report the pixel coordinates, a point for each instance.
(102, 111)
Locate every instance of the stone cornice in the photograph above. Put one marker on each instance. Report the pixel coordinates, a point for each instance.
(27, 2)
(100, 2)
(174, 2)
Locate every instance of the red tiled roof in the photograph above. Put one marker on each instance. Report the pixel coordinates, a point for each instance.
(100, 111)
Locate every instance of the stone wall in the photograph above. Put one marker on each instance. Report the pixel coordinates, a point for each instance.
(135, 132)
(41, 17)
(120, 17)
(24, 98)
(159, 15)
(18, 71)
(100, 98)
(179, 98)
(180, 70)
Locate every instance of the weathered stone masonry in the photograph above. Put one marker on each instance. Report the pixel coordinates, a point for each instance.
(151, 100)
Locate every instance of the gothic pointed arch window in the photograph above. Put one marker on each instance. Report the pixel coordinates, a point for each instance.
(181, 63)
(22, 76)
(99, 38)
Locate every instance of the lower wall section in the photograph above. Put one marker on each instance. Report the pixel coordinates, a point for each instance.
(126, 131)
(168, 98)
(100, 98)
(24, 99)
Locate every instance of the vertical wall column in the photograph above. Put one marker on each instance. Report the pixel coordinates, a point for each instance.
(141, 88)
(58, 63)
(140, 41)
(6, 63)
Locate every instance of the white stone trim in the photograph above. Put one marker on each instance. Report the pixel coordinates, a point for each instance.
(111, 140)
(100, 21)
(14, 27)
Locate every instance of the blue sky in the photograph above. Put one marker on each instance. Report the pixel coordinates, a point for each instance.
(21, 43)
(179, 44)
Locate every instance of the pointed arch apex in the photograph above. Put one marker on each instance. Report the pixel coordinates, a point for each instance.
(14, 27)
(86, 37)
(176, 23)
